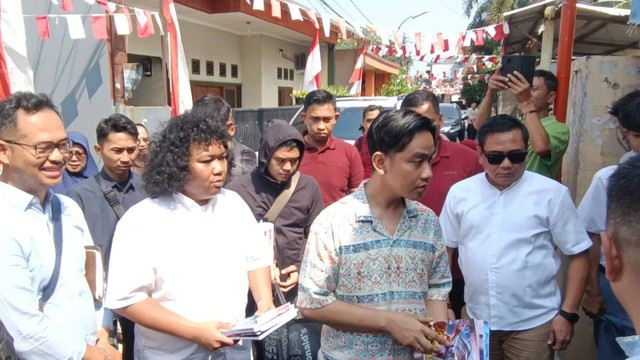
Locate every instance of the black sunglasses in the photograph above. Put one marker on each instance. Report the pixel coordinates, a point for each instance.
(514, 158)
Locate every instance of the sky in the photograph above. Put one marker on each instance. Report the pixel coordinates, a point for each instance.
(445, 15)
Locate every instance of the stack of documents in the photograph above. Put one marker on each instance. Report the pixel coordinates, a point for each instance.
(257, 327)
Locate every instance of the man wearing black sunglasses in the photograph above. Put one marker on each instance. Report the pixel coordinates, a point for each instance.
(506, 224)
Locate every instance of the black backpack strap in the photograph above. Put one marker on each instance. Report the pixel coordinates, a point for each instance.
(56, 214)
(111, 196)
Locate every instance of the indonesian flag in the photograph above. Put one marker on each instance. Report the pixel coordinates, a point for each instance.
(15, 71)
(181, 99)
(356, 76)
(314, 66)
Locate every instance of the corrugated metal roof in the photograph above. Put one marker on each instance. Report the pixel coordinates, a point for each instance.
(599, 30)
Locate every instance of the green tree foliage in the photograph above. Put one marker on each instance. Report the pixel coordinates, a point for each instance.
(398, 84)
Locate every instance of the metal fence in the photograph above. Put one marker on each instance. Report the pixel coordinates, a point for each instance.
(251, 122)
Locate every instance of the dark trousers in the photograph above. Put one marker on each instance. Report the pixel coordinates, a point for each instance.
(471, 132)
(128, 338)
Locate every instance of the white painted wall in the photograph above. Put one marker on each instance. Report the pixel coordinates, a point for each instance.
(257, 57)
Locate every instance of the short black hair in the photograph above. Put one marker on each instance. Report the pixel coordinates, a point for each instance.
(500, 124)
(550, 80)
(392, 131)
(115, 123)
(419, 98)
(623, 205)
(212, 108)
(371, 108)
(28, 102)
(627, 111)
(319, 97)
(168, 168)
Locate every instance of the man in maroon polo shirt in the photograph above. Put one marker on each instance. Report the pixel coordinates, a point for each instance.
(335, 164)
(453, 162)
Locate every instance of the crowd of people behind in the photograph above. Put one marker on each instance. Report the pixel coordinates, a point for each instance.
(373, 242)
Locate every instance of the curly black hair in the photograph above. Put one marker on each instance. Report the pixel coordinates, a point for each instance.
(168, 168)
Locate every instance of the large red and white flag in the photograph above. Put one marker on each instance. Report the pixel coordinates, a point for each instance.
(15, 71)
(356, 76)
(181, 99)
(314, 66)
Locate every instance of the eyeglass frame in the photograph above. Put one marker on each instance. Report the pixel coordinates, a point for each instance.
(492, 158)
(35, 147)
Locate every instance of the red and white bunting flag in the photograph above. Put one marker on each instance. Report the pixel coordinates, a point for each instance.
(276, 10)
(15, 71)
(460, 40)
(342, 24)
(455, 74)
(418, 42)
(395, 39)
(422, 57)
(122, 24)
(312, 17)
(445, 45)
(294, 11)
(76, 29)
(358, 29)
(125, 11)
(326, 24)
(404, 51)
(440, 42)
(145, 25)
(433, 48)
(108, 6)
(373, 28)
(479, 37)
(435, 61)
(43, 26)
(312, 70)
(356, 76)
(499, 33)
(258, 5)
(376, 50)
(467, 38)
(384, 36)
(491, 30)
(67, 5)
(417, 51)
(181, 99)
(99, 27)
(391, 50)
(158, 22)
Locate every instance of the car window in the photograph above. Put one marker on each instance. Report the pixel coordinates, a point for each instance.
(348, 125)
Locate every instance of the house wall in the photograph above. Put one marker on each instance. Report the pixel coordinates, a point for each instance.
(345, 62)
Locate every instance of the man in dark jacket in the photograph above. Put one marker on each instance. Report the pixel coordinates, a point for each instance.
(281, 150)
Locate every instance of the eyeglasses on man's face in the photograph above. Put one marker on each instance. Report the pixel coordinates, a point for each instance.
(514, 157)
(44, 149)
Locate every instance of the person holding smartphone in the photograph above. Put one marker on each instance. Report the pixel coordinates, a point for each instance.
(549, 138)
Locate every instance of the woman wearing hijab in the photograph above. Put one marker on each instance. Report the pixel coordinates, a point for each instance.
(140, 163)
(81, 165)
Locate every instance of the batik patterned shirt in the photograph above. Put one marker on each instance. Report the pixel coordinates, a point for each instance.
(351, 257)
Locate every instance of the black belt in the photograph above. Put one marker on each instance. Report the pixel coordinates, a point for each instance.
(602, 269)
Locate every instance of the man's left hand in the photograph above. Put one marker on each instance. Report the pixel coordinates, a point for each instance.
(560, 334)
(519, 87)
(291, 281)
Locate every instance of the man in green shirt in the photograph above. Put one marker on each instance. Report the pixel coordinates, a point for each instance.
(548, 138)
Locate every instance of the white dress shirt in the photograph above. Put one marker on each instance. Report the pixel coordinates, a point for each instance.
(593, 207)
(191, 259)
(506, 241)
(27, 257)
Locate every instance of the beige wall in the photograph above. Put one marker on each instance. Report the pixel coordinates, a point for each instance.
(596, 82)
(257, 57)
(345, 62)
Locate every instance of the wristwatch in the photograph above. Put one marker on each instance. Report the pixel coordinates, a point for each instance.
(571, 317)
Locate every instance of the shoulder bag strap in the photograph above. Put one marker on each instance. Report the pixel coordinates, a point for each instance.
(282, 199)
(111, 196)
(56, 214)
